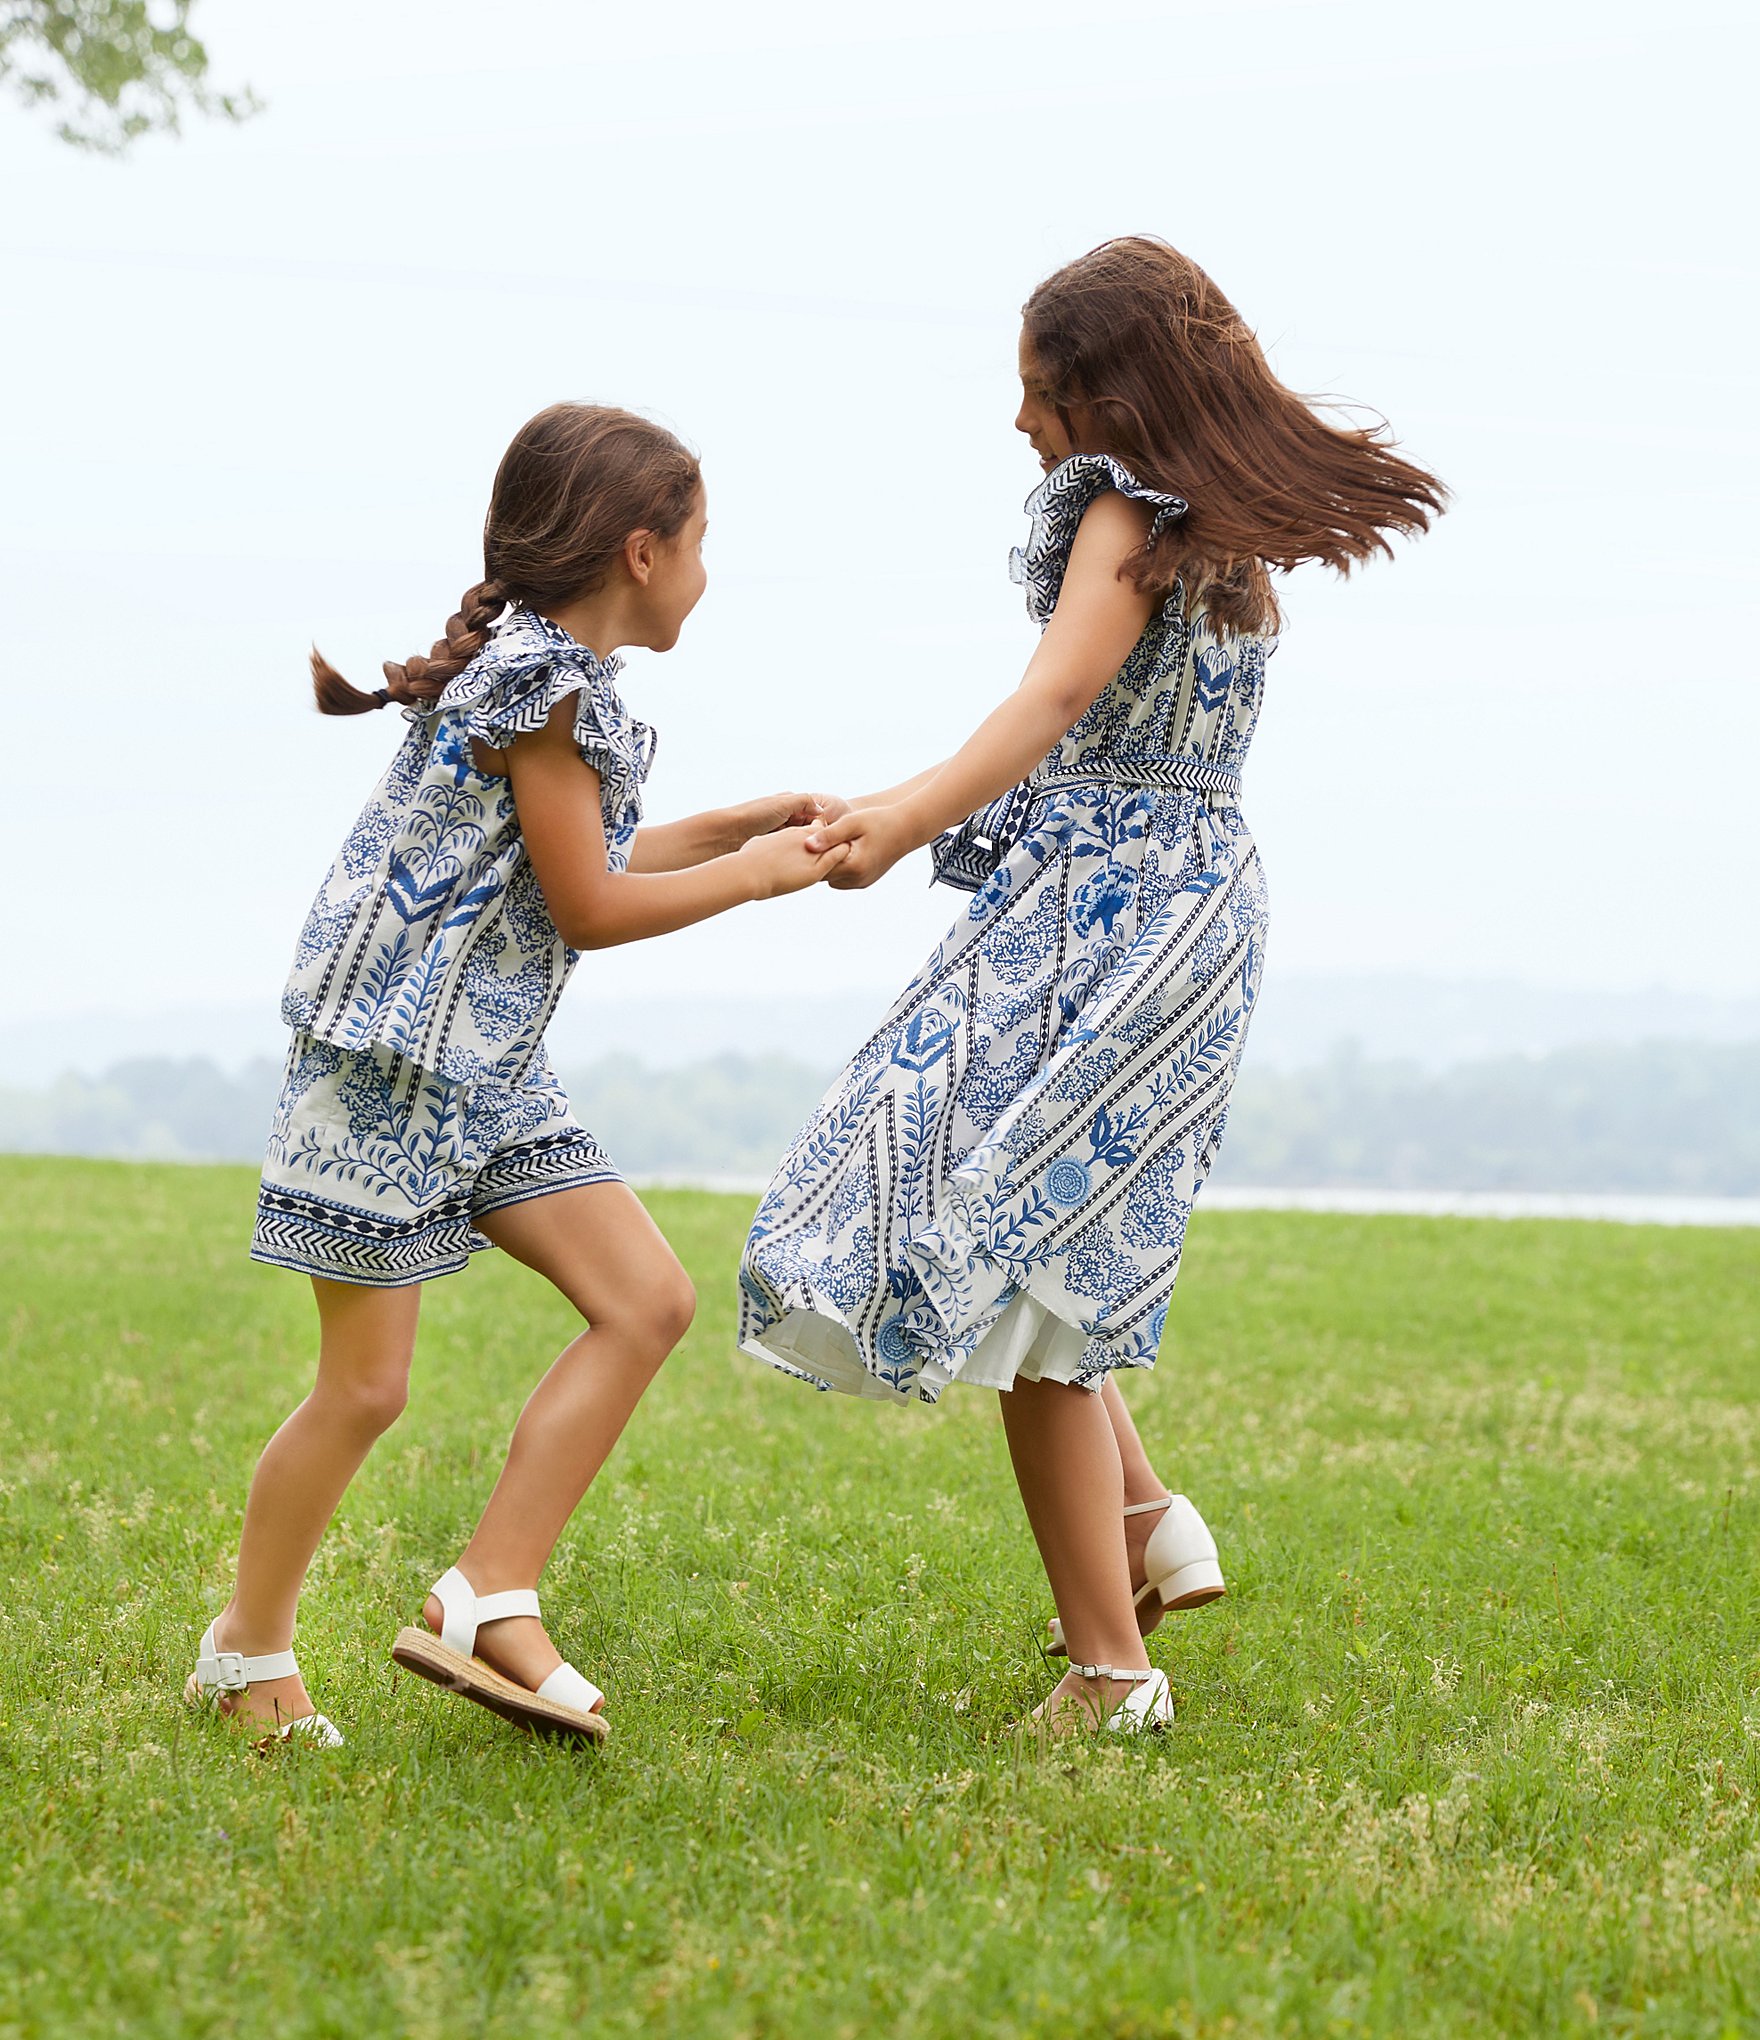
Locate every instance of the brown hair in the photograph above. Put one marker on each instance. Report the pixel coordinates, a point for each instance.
(1135, 344)
(577, 480)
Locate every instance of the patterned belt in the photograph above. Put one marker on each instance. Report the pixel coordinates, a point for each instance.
(1145, 768)
(966, 856)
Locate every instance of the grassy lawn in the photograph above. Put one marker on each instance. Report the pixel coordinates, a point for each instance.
(1473, 1745)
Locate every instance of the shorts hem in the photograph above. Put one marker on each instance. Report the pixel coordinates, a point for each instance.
(582, 1176)
(364, 1277)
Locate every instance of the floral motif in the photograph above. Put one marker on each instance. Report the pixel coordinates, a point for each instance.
(1095, 1265)
(1086, 1075)
(894, 1342)
(1160, 1201)
(1067, 1181)
(1098, 901)
(1017, 946)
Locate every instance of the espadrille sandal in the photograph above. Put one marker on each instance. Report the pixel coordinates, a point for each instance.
(219, 1672)
(564, 1705)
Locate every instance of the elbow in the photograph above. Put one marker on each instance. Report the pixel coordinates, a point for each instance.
(1060, 697)
(1065, 707)
(583, 924)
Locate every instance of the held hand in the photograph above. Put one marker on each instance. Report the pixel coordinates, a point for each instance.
(782, 861)
(762, 817)
(877, 837)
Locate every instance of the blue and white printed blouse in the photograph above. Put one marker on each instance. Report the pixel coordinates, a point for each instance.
(429, 935)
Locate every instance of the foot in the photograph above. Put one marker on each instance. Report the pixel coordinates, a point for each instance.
(518, 1646)
(1078, 1705)
(274, 1702)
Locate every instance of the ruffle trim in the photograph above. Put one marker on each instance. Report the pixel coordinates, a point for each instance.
(526, 668)
(1056, 507)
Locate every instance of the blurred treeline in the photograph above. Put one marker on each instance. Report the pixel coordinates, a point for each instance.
(1658, 1117)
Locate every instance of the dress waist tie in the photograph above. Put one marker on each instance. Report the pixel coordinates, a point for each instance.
(1144, 768)
(966, 856)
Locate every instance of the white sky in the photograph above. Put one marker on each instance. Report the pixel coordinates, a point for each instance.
(261, 377)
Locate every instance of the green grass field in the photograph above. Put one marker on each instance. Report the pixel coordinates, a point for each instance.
(1472, 1747)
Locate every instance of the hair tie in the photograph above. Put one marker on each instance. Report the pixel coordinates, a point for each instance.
(380, 697)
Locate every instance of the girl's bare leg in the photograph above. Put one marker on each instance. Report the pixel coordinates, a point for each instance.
(1141, 1484)
(607, 1256)
(1066, 1459)
(366, 1339)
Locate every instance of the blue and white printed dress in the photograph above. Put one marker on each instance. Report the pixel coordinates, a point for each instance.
(997, 1186)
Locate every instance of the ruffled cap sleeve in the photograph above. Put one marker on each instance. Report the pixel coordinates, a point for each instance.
(1056, 507)
(510, 687)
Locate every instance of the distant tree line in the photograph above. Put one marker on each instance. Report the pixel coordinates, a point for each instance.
(1663, 1117)
(1677, 1118)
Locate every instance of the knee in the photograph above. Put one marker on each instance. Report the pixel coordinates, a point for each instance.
(369, 1403)
(657, 1317)
(674, 1307)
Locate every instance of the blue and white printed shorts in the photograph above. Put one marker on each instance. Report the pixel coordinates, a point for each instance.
(377, 1169)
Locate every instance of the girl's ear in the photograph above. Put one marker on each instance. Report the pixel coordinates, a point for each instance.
(638, 556)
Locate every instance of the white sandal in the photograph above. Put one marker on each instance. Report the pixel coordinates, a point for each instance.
(219, 1672)
(1144, 1711)
(564, 1705)
(1181, 1560)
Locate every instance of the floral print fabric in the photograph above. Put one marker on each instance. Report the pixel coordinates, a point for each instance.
(377, 1169)
(429, 935)
(997, 1187)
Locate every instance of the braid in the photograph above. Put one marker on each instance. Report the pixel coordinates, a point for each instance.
(417, 679)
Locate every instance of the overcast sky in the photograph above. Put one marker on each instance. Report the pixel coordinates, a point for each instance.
(260, 378)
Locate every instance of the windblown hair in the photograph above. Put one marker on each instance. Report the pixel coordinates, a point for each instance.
(577, 480)
(1143, 357)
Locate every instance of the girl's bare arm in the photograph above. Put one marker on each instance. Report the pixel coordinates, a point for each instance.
(894, 794)
(556, 794)
(675, 846)
(1097, 620)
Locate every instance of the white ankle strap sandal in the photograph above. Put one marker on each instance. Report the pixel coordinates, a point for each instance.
(219, 1672)
(564, 1705)
(1180, 1558)
(1145, 1710)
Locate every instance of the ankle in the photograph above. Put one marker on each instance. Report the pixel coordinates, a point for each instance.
(235, 1632)
(1120, 1655)
(487, 1575)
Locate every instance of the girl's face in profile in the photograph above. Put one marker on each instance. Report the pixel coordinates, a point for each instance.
(1037, 417)
(676, 582)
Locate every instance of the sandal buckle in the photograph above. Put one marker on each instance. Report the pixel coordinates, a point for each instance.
(229, 1671)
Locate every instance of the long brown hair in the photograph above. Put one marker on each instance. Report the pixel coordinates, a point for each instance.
(1143, 357)
(577, 480)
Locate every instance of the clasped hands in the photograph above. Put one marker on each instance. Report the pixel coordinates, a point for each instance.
(819, 836)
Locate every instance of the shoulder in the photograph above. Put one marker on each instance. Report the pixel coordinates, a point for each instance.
(1110, 522)
(1095, 498)
(510, 688)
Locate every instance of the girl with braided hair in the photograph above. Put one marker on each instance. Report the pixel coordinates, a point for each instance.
(419, 1120)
